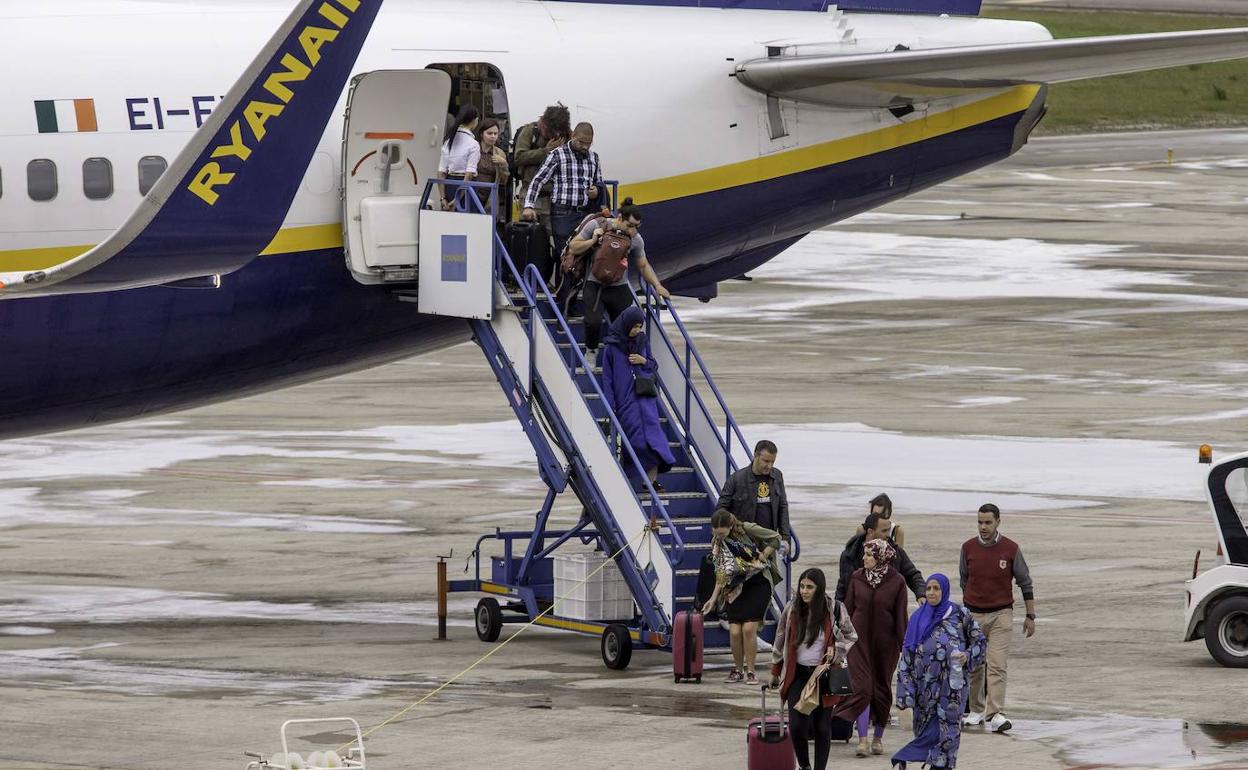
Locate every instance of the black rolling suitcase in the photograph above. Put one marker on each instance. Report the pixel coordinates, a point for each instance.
(528, 243)
(842, 729)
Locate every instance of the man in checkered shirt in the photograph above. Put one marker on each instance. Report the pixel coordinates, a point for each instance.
(577, 175)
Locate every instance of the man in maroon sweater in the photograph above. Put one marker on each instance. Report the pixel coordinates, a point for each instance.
(988, 569)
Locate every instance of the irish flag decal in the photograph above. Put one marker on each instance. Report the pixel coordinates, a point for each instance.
(61, 116)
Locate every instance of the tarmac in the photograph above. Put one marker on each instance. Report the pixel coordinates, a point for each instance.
(1207, 7)
(1056, 334)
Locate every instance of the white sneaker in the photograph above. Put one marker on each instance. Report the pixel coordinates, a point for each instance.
(972, 719)
(998, 723)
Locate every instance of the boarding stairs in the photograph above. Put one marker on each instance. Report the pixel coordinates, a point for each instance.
(536, 353)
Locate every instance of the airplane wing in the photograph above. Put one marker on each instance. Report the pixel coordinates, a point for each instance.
(228, 191)
(905, 76)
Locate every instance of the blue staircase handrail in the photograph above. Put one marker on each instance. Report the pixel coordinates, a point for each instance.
(653, 306)
(534, 277)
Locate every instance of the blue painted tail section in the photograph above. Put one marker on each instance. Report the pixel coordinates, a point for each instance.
(925, 7)
(227, 193)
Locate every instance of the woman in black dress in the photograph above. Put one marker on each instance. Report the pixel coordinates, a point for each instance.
(746, 573)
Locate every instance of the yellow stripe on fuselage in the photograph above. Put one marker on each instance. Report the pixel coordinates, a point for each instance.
(294, 240)
(311, 238)
(39, 259)
(289, 240)
(830, 153)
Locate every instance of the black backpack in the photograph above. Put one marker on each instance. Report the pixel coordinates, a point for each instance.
(515, 147)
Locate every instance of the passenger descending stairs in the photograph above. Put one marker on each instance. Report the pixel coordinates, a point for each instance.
(536, 354)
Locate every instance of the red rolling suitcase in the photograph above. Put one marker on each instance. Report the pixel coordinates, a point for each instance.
(768, 741)
(687, 641)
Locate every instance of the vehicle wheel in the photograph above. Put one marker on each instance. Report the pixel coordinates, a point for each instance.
(1226, 632)
(617, 647)
(698, 679)
(489, 617)
(676, 677)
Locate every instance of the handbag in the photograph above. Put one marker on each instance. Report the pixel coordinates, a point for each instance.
(836, 683)
(644, 386)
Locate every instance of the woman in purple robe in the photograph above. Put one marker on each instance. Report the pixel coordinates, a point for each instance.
(943, 646)
(625, 357)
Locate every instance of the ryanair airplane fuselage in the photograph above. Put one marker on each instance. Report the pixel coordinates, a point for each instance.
(100, 96)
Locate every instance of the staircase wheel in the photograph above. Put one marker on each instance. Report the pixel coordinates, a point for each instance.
(617, 647)
(489, 620)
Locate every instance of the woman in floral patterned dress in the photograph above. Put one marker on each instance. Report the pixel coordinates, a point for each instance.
(943, 645)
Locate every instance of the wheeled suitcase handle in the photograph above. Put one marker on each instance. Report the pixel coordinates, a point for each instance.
(781, 728)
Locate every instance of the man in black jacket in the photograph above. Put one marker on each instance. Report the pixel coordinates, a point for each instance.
(756, 493)
(851, 559)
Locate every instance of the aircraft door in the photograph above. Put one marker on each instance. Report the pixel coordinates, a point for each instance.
(391, 147)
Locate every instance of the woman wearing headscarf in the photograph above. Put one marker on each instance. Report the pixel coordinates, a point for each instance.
(943, 645)
(625, 359)
(876, 600)
(746, 573)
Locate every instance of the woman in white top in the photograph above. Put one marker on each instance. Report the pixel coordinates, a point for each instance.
(814, 628)
(460, 151)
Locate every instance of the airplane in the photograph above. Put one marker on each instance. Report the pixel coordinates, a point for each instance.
(179, 178)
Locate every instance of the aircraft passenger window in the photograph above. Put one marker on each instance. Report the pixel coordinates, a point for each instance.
(97, 178)
(41, 179)
(150, 169)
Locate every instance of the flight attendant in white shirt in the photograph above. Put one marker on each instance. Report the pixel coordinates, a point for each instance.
(460, 152)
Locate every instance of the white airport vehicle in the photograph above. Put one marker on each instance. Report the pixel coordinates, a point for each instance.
(1217, 599)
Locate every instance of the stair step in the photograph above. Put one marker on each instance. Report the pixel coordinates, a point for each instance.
(688, 572)
(574, 320)
(580, 370)
(604, 421)
(692, 546)
(645, 498)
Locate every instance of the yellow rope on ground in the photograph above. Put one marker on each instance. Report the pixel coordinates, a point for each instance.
(636, 541)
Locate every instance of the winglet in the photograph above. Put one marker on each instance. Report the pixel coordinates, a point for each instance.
(227, 193)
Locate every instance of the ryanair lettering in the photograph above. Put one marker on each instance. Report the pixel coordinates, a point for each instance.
(280, 84)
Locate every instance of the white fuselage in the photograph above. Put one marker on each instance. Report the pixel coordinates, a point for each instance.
(655, 82)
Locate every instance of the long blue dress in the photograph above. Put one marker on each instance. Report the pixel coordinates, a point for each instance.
(639, 416)
(936, 691)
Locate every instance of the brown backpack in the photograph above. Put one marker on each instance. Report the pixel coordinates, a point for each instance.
(611, 257)
(571, 263)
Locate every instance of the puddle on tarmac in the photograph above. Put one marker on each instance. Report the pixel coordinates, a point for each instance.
(28, 603)
(73, 668)
(1139, 742)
